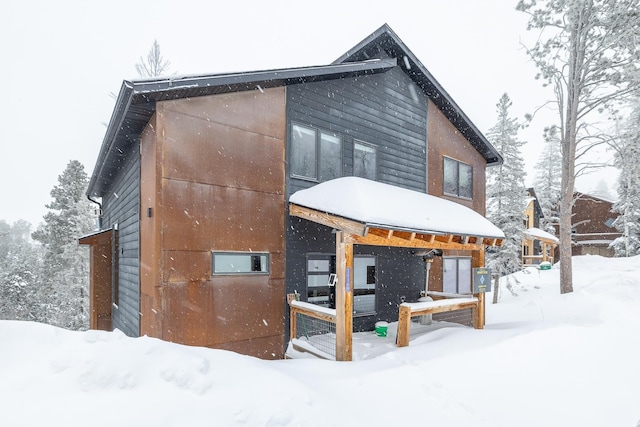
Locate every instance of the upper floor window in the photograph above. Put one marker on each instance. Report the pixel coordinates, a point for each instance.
(364, 160)
(240, 263)
(315, 154)
(458, 178)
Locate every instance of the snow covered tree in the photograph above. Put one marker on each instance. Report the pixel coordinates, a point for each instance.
(506, 192)
(64, 286)
(627, 158)
(154, 64)
(547, 180)
(588, 52)
(19, 269)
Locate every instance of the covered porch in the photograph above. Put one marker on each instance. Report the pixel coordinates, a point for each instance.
(548, 243)
(364, 212)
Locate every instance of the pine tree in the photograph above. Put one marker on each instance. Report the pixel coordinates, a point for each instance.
(506, 192)
(63, 291)
(19, 272)
(547, 180)
(627, 158)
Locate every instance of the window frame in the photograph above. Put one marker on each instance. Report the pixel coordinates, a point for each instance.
(327, 291)
(266, 263)
(318, 150)
(457, 271)
(362, 143)
(458, 166)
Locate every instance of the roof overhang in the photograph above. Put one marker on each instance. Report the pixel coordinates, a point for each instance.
(378, 214)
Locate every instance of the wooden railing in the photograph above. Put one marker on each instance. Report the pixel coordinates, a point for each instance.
(312, 328)
(409, 310)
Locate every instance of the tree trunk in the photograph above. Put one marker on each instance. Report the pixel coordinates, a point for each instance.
(496, 288)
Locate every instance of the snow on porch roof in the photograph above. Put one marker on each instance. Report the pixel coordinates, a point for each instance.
(386, 206)
(538, 234)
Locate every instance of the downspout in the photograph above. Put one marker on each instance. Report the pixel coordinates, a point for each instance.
(99, 210)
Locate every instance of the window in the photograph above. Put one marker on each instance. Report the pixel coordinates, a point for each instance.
(315, 154)
(320, 267)
(364, 160)
(458, 178)
(240, 263)
(456, 275)
(364, 285)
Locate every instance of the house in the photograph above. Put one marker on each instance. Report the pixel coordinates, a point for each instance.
(202, 235)
(537, 245)
(592, 228)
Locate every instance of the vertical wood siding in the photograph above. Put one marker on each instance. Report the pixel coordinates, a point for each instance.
(121, 205)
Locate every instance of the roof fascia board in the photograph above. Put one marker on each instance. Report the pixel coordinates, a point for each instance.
(123, 102)
(286, 74)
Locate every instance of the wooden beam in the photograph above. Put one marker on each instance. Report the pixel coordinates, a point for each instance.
(373, 238)
(344, 298)
(329, 220)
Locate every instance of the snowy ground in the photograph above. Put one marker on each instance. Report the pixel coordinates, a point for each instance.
(544, 359)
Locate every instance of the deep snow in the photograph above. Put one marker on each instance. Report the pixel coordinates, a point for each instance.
(543, 359)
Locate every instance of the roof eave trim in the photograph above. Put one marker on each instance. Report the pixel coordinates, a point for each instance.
(123, 102)
(188, 82)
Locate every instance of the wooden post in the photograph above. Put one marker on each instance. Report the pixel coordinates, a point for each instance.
(344, 298)
(477, 260)
(404, 326)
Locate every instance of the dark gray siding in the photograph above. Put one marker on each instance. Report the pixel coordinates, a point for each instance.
(386, 110)
(121, 205)
(390, 112)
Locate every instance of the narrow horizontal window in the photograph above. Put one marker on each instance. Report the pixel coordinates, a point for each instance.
(240, 263)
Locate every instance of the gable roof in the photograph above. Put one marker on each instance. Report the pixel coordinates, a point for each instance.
(384, 42)
(536, 203)
(135, 104)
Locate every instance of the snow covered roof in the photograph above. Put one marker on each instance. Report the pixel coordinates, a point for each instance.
(380, 205)
(539, 234)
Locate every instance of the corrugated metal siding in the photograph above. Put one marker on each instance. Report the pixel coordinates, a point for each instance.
(386, 110)
(121, 205)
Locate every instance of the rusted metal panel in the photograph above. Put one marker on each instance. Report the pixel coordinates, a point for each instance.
(444, 140)
(224, 311)
(260, 112)
(183, 266)
(213, 153)
(218, 185)
(201, 217)
(100, 280)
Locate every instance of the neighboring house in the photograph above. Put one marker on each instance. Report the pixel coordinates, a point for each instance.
(592, 226)
(537, 245)
(199, 244)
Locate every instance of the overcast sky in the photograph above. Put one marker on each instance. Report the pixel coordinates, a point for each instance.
(63, 60)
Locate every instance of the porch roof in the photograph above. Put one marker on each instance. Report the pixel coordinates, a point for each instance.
(538, 234)
(381, 214)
